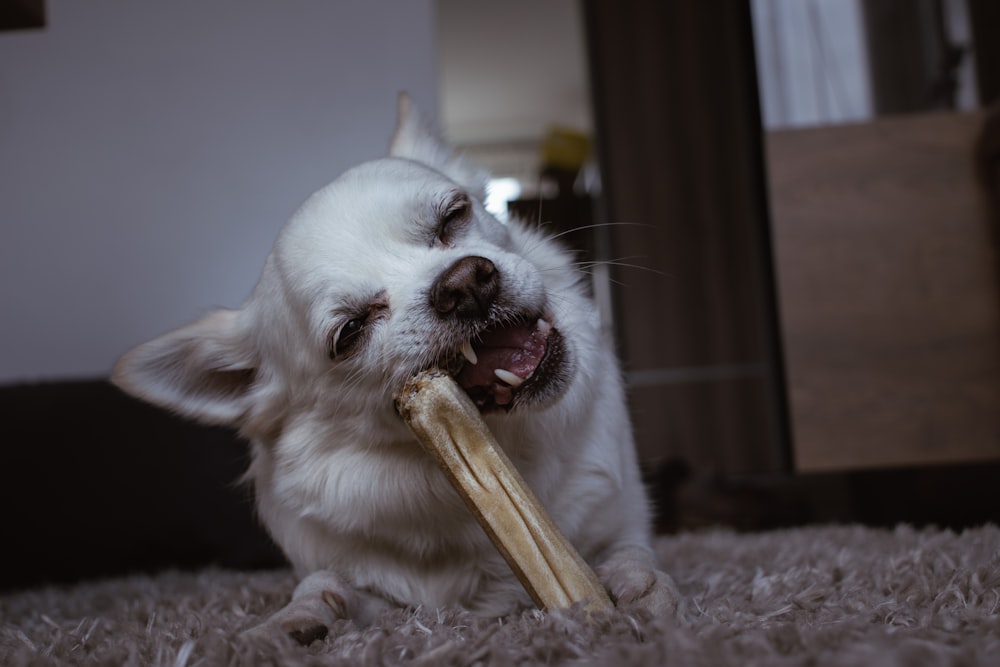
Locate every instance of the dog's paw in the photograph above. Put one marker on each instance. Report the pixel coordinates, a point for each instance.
(631, 579)
(310, 616)
(318, 602)
(305, 619)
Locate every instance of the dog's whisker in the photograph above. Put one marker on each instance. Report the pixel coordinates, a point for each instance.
(549, 237)
(587, 266)
(597, 225)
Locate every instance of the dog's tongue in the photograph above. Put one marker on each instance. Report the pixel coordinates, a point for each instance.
(516, 349)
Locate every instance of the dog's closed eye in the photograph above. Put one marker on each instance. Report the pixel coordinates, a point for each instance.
(452, 218)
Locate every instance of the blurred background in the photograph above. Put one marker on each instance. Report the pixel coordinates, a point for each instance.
(787, 208)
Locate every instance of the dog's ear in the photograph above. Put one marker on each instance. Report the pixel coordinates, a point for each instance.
(416, 139)
(203, 370)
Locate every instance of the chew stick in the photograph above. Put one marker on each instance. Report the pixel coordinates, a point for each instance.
(449, 427)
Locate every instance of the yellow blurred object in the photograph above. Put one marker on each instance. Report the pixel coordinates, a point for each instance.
(565, 148)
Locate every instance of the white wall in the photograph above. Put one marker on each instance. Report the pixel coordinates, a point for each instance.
(150, 151)
(512, 69)
(509, 72)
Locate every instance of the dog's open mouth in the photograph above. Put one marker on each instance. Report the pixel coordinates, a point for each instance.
(507, 364)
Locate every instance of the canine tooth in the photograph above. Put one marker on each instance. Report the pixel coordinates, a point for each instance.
(469, 353)
(543, 326)
(508, 377)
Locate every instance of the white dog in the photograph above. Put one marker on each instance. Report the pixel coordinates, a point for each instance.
(392, 268)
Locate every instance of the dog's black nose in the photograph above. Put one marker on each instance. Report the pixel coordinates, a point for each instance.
(467, 289)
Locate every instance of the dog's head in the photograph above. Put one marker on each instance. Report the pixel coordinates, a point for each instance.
(394, 267)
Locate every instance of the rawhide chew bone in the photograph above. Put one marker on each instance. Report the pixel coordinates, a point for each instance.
(449, 427)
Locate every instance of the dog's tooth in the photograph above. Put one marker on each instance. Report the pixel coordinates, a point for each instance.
(508, 377)
(469, 353)
(543, 326)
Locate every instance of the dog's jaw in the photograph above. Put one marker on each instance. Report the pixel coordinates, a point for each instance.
(513, 365)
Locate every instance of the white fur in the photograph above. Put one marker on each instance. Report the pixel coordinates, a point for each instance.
(364, 516)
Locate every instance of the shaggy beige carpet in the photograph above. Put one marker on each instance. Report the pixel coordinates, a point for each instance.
(813, 596)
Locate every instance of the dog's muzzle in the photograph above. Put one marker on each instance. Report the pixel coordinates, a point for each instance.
(507, 361)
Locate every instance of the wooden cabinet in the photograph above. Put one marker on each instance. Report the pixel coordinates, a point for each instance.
(889, 293)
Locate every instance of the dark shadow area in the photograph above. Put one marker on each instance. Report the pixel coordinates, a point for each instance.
(22, 14)
(95, 483)
(954, 496)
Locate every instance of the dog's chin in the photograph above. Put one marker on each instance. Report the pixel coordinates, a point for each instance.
(512, 365)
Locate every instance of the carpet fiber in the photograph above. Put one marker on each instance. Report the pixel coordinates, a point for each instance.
(814, 596)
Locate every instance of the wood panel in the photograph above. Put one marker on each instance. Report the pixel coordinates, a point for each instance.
(888, 289)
